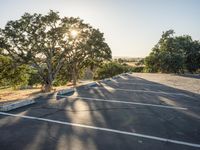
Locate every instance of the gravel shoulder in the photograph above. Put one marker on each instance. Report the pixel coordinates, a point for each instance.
(190, 83)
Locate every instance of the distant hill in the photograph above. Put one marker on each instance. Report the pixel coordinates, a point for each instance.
(127, 59)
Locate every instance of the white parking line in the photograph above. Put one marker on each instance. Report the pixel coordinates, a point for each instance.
(127, 102)
(153, 84)
(141, 91)
(104, 129)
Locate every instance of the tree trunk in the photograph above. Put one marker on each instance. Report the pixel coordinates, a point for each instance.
(47, 87)
(74, 75)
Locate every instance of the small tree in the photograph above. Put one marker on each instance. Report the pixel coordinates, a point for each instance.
(192, 57)
(173, 54)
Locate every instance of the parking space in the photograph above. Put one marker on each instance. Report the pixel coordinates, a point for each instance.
(128, 112)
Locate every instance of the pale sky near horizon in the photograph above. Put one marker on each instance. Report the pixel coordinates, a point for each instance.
(131, 27)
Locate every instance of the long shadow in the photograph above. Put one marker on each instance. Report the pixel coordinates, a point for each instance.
(192, 76)
(175, 124)
(155, 92)
(183, 125)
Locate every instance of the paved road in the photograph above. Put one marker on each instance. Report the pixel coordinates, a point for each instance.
(123, 114)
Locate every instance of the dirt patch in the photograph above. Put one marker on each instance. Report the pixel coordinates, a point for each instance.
(9, 95)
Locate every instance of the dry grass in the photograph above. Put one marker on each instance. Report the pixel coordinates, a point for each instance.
(132, 64)
(8, 95)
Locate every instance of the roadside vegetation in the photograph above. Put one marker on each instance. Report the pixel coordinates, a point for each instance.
(113, 68)
(42, 51)
(174, 54)
(48, 50)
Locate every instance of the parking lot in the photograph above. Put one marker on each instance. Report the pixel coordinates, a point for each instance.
(125, 113)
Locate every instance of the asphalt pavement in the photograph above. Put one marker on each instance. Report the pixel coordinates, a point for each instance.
(126, 113)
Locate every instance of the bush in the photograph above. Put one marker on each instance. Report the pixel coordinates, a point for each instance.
(136, 69)
(111, 69)
(19, 77)
(34, 78)
(13, 74)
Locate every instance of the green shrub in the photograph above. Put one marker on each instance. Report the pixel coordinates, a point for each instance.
(34, 78)
(111, 69)
(136, 69)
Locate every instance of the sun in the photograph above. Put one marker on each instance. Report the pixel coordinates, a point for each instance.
(74, 33)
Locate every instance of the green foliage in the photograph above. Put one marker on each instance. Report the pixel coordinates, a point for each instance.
(34, 78)
(136, 69)
(192, 59)
(140, 62)
(12, 74)
(120, 60)
(173, 54)
(5, 68)
(64, 75)
(151, 63)
(19, 76)
(113, 68)
(59, 81)
(46, 43)
(92, 54)
(109, 70)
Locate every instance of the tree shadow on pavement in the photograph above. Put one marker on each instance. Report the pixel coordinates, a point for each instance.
(18, 133)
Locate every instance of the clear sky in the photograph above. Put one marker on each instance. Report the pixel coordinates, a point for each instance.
(131, 27)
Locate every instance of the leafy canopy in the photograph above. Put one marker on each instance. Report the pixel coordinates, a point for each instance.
(174, 54)
(47, 42)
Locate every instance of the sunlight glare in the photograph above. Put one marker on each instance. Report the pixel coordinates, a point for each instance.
(74, 33)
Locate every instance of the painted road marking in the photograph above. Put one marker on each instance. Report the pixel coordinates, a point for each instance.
(153, 84)
(126, 102)
(141, 91)
(104, 129)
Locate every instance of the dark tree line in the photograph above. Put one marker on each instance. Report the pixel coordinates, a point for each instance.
(174, 54)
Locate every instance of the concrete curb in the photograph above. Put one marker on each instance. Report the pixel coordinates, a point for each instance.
(91, 84)
(125, 74)
(15, 105)
(23, 102)
(105, 80)
(66, 91)
(116, 77)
